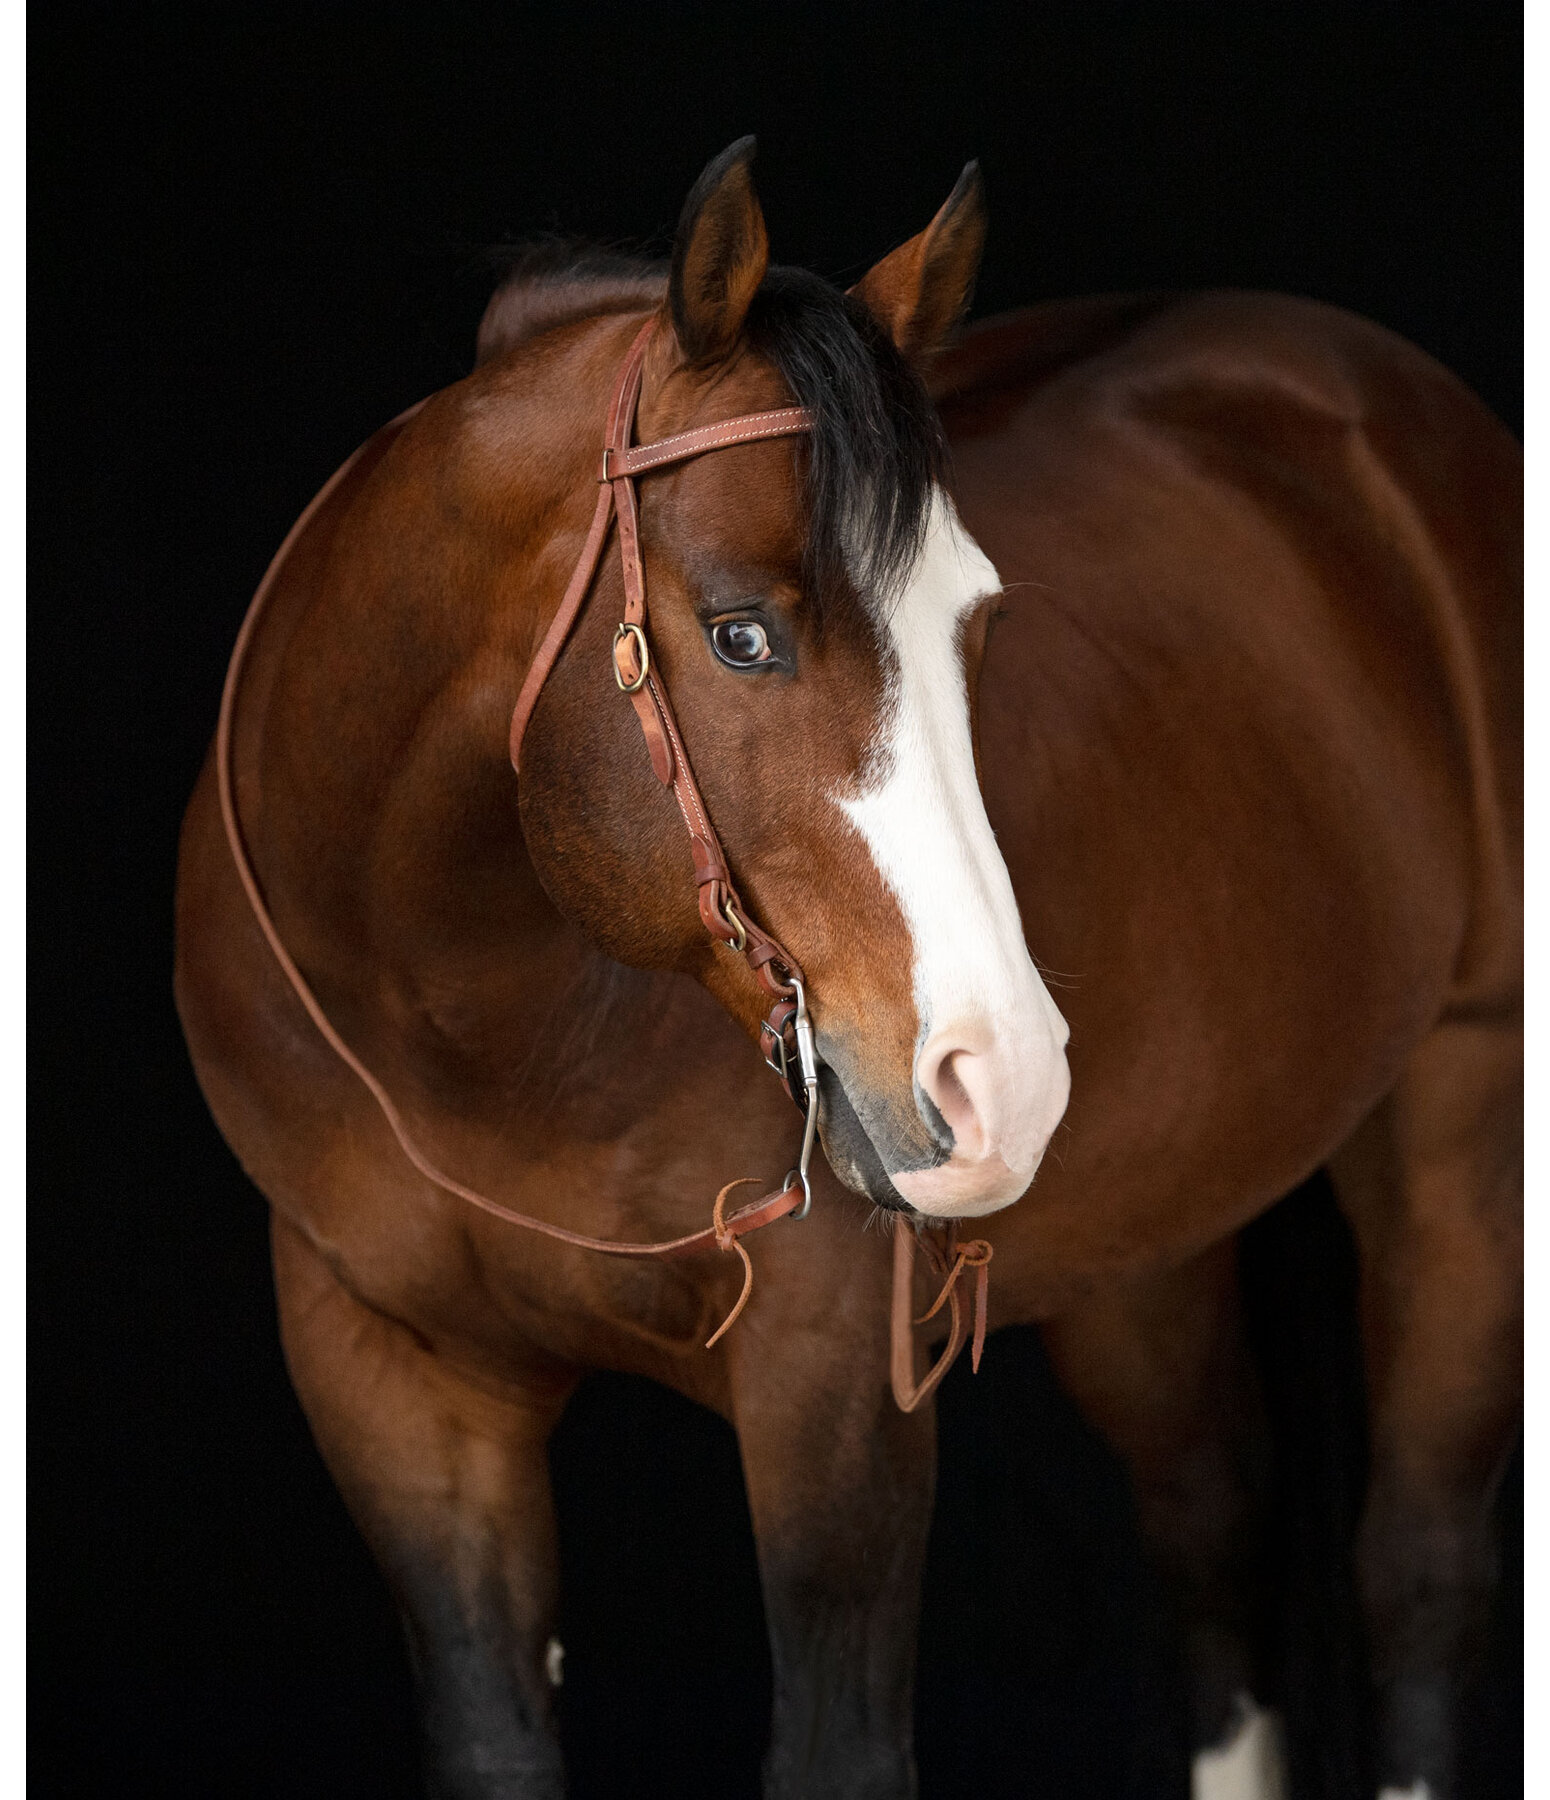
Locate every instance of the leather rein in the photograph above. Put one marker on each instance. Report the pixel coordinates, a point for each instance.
(786, 1034)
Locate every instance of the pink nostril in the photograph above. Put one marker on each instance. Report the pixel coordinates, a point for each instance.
(1000, 1091)
(949, 1076)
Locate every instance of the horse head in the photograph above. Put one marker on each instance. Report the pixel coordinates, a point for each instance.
(818, 613)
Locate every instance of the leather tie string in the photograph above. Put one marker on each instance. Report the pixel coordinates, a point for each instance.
(726, 1240)
(948, 1260)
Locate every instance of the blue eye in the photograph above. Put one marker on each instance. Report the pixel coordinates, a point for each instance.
(741, 643)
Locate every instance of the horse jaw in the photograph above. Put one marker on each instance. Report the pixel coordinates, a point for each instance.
(990, 1078)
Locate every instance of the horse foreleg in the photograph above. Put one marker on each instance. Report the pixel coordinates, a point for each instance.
(449, 1483)
(1432, 1186)
(1161, 1367)
(840, 1486)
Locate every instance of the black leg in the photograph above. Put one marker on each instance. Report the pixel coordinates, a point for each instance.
(840, 1488)
(1161, 1366)
(450, 1485)
(1432, 1185)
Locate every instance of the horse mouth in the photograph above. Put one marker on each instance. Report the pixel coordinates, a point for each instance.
(901, 1154)
(851, 1149)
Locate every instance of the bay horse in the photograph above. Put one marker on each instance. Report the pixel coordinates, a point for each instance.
(1200, 678)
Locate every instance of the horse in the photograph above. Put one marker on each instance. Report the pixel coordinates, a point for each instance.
(1157, 653)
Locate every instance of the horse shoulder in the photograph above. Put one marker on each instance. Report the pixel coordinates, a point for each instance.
(1253, 482)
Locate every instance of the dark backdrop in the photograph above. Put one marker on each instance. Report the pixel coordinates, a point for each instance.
(256, 234)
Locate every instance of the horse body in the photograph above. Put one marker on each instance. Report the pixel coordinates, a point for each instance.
(1244, 742)
(1249, 736)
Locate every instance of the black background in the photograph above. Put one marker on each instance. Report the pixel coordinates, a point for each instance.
(256, 234)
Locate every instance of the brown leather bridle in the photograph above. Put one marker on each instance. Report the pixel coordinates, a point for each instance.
(786, 1033)
(786, 1036)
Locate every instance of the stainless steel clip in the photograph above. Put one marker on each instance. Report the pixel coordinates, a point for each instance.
(807, 1059)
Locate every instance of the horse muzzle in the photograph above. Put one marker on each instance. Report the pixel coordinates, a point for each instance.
(969, 1134)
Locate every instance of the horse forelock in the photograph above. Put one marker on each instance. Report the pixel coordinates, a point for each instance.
(877, 453)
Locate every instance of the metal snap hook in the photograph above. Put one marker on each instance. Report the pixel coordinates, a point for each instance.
(807, 1057)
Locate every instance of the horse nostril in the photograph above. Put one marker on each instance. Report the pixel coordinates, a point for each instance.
(951, 1076)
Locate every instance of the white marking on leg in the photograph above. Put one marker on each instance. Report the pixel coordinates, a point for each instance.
(1249, 1766)
(554, 1662)
(1418, 1790)
(993, 1060)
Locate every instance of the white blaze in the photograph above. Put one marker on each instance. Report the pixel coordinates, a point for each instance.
(993, 1056)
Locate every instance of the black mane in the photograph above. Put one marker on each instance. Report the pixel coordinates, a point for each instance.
(877, 448)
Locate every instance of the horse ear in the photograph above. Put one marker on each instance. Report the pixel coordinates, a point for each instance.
(921, 291)
(719, 256)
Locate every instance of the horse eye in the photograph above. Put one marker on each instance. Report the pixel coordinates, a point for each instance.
(741, 643)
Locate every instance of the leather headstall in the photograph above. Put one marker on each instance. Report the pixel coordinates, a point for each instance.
(722, 911)
(786, 1033)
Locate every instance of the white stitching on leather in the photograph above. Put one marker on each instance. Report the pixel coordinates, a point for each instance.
(786, 420)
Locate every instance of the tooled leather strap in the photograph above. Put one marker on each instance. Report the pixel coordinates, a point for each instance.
(949, 1261)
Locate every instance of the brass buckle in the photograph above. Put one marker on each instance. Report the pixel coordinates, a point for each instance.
(729, 913)
(628, 630)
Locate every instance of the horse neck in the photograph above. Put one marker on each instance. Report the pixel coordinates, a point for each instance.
(388, 830)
